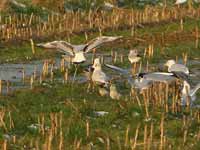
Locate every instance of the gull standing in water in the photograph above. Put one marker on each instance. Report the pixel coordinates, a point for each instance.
(134, 57)
(188, 94)
(174, 67)
(76, 52)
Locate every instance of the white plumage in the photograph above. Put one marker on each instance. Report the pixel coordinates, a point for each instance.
(133, 56)
(98, 76)
(144, 80)
(173, 67)
(77, 51)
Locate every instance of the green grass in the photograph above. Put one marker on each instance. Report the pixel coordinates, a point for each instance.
(77, 106)
(25, 107)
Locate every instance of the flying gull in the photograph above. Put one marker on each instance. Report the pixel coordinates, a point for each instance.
(76, 52)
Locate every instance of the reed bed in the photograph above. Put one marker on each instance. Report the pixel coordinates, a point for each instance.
(23, 27)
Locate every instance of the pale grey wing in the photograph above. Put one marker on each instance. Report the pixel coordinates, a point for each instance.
(159, 77)
(61, 46)
(78, 48)
(179, 68)
(98, 41)
(118, 69)
(141, 84)
(103, 77)
(194, 90)
(181, 75)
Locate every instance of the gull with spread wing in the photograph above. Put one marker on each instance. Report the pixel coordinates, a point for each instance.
(145, 80)
(76, 52)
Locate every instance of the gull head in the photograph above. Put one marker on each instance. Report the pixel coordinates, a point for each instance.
(133, 52)
(169, 63)
(133, 56)
(96, 63)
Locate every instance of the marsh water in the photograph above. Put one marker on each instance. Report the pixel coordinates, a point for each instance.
(12, 74)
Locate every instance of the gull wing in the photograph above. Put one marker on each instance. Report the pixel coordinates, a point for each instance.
(118, 69)
(98, 41)
(181, 75)
(160, 77)
(100, 76)
(144, 84)
(61, 46)
(134, 83)
(179, 68)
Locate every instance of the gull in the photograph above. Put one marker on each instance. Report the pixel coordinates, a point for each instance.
(145, 80)
(133, 56)
(114, 94)
(76, 52)
(174, 67)
(159, 76)
(188, 93)
(98, 76)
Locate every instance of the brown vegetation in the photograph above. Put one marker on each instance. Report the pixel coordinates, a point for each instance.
(3, 4)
